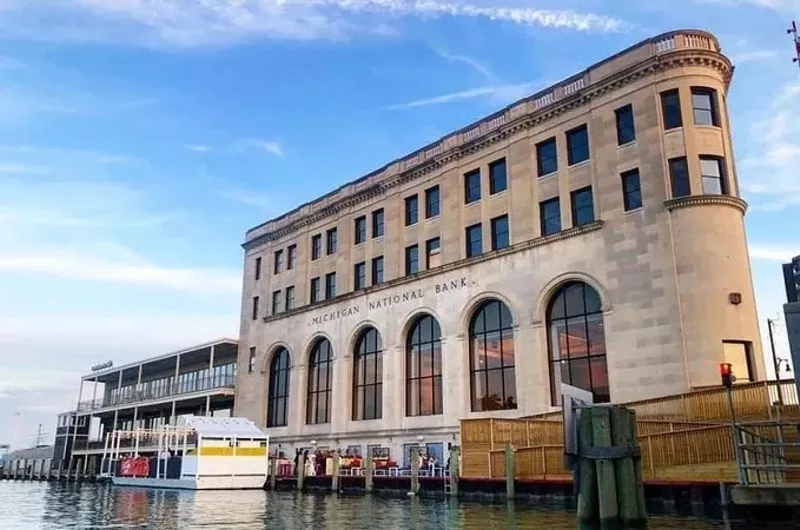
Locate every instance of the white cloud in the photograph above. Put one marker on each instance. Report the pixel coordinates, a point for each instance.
(271, 147)
(197, 148)
(69, 264)
(769, 173)
(205, 22)
(501, 94)
(473, 63)
(749, 56)
(782, 252)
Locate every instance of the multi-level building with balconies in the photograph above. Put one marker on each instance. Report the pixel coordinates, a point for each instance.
(146, 395)
(591, 234)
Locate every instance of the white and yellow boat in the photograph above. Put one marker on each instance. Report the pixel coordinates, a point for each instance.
(202, 453)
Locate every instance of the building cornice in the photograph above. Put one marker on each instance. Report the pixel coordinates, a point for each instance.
(706, 200)
(670, 51)
(449, 267)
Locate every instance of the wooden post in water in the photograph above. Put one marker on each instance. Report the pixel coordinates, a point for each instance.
(368, 470)
(414, 471)
(335, 472)
(273, 473)
(511, 471)
(301, 471)
(455, 452)
(610, 488)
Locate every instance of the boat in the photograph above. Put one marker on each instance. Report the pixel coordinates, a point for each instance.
(201, 453)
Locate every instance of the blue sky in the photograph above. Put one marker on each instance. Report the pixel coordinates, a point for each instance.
(139, 139)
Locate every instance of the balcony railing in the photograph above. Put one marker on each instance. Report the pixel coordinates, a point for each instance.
(162, 391)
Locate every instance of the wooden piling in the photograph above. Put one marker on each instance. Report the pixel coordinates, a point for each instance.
(511, 471)
(335, 472)
(368, 470)
(641, 505)
(455, 452)
(273, 473)
(301, 471)
(414, 471)
(606, 479)
(587, 473)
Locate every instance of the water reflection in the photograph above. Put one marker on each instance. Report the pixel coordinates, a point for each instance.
(27, 506)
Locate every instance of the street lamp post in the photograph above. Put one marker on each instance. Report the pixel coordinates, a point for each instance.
(770, 325)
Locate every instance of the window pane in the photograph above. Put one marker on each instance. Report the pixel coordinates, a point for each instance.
(478, 390)
(679, 175)
(547, 157)
(494, 357)
(578, 145)
(578, 342)
(412, 404)
(510, 388)
(626, 131)
(507, 339)
(579, 373)
(671, 109)
(497, 176)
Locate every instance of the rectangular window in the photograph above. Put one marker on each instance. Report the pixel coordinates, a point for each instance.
(631, 190)
(291, 258)
(433, 253)
(276, 302)
(412, 260)
(679, 178)
(498, 180)
(626, 131)
(474, 240)
(377, 270)
(547, 157)
(432, 206)
(500, 237)
(277, 265)
(331, 241)
(251, 364)
(412, 210)
(578, 145)
(314, 295)
(550, 216)
(472, 186)
(671, 109)
(713, 176)
(704, 106)
(255, 308)
(289, 298)
(330, 285)
(361, 229)
(359, 276)
(258, 268)
(582, 207)
(377, 223)
(316, 246)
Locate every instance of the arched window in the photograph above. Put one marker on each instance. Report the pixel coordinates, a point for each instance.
(279, 371)
(424, 368)
(320, 380)
(368, 376)
(577, 341)
(491, 350)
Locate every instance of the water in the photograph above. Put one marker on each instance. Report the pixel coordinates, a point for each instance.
(41, 505)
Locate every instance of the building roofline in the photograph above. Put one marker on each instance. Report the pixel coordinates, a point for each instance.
(106, 371)
(541, 93)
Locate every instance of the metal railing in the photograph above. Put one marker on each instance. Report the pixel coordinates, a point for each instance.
(175, 389)
(767, 452)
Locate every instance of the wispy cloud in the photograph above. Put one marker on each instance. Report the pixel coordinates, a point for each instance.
(774, 252)
(66, 263)
(769, 171)
(501, 94)
(473, 63)
(750, 56)
(197, 148)
(189, 23)
(271, 147)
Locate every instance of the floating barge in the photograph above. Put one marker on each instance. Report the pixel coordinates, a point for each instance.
(203, 453)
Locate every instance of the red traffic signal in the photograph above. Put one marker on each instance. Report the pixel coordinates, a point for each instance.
(726, 372)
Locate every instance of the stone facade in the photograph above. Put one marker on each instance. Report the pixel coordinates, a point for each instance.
(673, 275)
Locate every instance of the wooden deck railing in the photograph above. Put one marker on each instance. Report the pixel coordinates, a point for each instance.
(681, 437)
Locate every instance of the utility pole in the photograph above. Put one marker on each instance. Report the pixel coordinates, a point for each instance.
(770, 325)
(793, 32)
(38, 436)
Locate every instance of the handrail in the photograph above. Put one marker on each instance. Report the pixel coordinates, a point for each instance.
(763, 447)
(176, 389)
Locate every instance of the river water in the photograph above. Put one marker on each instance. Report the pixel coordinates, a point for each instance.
(41, 505)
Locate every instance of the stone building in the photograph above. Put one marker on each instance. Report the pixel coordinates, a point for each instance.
(594, 232)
